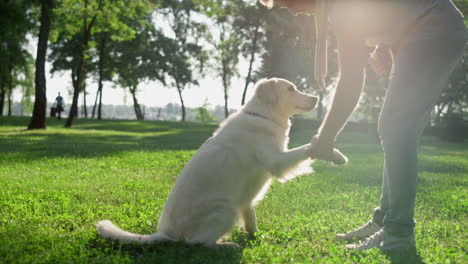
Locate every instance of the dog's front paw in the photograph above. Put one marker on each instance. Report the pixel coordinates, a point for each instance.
(251, 230)
(339, 158)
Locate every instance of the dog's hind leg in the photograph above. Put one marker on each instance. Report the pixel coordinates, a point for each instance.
(217, 223)
(250, 219)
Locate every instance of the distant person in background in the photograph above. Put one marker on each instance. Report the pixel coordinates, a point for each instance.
(418, 43)
(59, 106)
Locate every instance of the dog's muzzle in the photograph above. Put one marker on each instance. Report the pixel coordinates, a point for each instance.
(311, 104)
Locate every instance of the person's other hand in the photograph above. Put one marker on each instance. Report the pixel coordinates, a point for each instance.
(381, 60)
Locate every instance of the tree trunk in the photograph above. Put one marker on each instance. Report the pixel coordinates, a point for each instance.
(9, 89)
(226, 108)
(99, 116)
(38, 119)
(179, 90)
(225, 87)
(102, 49)
(74, 106)
(85, 110)
(95, 103)
(159, 113)
(76, 88)
(2, 99)
(10, 99)
(224, 73)
(77, 84)
(80, 72)
(139, 115)
(252, 58)
(98, 103)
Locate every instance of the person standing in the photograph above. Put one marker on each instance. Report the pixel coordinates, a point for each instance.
(59, 104)
(417, 42)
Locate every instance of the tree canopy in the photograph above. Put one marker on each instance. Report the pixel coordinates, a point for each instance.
(175, 43)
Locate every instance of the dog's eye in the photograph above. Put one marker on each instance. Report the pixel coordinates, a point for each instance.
(291, 88)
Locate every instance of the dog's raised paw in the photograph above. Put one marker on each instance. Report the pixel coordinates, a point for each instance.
(339, 158)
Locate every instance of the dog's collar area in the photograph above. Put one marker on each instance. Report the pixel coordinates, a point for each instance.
(257, 115)
(263, 117)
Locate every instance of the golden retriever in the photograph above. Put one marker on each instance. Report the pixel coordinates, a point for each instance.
(232, 171)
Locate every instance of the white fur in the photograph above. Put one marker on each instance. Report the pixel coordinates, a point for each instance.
(232, 170)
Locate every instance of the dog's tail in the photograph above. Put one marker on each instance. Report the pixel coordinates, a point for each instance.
(108, 230)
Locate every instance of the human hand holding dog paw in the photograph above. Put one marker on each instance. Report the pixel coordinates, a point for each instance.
(323, 149)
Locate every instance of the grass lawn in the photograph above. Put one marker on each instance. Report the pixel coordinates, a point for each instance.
(56, 184)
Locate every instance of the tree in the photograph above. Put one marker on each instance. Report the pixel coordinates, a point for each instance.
(373, 96)
(84, 18)
(227, 57)
(65, 55)
(87, 15)
(227, 44)
(16, 22)
(249, 23)
(290, 50)
(103, 70)
(142, 58)
(25, 84)
(186, 56)
(203, 115)
(454, 99)
(23, 77)
(38, 119)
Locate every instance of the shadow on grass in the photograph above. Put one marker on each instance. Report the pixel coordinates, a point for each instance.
(441, 166)
(170, 252)
(397, 256)
(409, 256)
(21, 122)
(102, 138)
(175, 252)
(137, 126)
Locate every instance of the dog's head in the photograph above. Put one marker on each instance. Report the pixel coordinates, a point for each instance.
(283, 96)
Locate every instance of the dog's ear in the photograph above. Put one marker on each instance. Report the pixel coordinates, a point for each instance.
(265, 91)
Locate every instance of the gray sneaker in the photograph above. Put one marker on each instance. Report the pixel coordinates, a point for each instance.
(362, 232)
(384, 241)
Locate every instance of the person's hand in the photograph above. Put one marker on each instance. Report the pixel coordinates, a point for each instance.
(381, 60)
(321, 148)
(324, 149)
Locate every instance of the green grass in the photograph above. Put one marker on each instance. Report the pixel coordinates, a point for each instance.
(56, 184)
